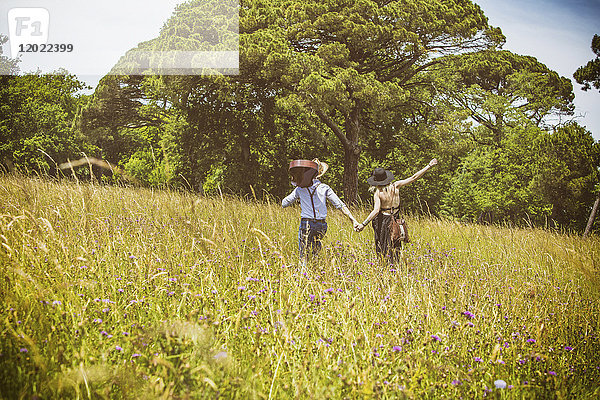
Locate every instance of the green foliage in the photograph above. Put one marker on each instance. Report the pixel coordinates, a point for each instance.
(144, 167)
(493, 184)
(534, 177)
(351, 63)
(37, 115)
(499, 88)
(567, 172)
(589, 74)
(8, 66)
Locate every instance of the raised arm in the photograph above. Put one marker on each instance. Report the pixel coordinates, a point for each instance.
(416, 176)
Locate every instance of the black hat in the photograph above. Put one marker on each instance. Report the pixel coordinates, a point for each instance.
(380, 177)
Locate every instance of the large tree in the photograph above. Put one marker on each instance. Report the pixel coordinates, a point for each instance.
(497, 89)
(590, 73)
(351, 62)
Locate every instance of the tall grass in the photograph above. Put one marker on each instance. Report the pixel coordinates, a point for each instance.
(111, 292)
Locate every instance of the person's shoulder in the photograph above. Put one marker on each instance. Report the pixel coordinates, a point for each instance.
(324, 187)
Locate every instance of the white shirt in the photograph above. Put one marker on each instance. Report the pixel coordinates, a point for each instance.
(321, 192)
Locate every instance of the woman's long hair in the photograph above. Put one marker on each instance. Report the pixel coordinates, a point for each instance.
(372, 189)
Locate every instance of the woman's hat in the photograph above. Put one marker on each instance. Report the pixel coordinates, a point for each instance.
(322, 167)
(380, 177)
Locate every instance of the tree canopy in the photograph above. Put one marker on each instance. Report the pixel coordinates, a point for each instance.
(589, 74)
(351, 62)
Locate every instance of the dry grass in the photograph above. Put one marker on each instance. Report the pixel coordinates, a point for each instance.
(117, 292)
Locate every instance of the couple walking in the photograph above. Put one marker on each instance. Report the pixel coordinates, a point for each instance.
(313, 194)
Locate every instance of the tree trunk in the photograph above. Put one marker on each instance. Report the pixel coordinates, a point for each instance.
(588, 228)
(349, 138)
(351, 156)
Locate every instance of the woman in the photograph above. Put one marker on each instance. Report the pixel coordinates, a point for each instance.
(386, 202)
(313, 196)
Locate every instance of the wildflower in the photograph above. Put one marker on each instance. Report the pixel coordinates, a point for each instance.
(136, 355)
(396, 348)
(552, 373)
(468, 314)
(530, 340)
(23, 350)
(456, 382)
(436, 338)
(98, 320)
(568, 348)
(477, 359)
(118, 348)
(500, 384)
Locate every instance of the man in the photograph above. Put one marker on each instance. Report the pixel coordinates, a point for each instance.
(312, 194)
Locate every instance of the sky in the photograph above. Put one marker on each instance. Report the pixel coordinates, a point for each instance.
(557, 33)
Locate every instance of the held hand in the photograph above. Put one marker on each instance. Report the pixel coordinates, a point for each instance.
(433, 162)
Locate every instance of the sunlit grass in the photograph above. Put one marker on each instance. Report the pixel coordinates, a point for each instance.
(117, 292)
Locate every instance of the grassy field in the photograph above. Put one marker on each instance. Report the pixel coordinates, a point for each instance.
(110, 292)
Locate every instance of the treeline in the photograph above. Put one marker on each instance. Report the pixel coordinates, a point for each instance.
(358, 84)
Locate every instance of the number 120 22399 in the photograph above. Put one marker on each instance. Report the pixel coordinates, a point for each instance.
(46, 48)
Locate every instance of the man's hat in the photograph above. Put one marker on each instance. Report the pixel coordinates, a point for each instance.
(322, 167)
